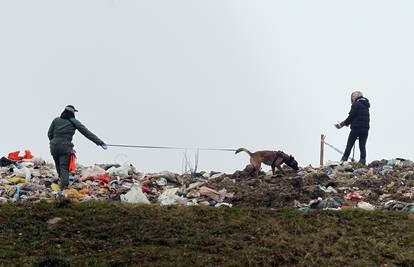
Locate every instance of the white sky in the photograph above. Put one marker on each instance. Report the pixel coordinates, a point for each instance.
(218, 73)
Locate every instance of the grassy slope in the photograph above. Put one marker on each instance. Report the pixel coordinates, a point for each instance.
(114, 234)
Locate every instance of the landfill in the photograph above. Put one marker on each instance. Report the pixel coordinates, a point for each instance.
(381, 185)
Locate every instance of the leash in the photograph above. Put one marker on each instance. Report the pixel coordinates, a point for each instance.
(339, 151)
(334, 148)
(175, 148)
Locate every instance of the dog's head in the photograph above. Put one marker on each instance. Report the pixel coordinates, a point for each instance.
(291, 162)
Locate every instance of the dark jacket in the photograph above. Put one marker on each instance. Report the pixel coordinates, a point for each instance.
(61, 132)
(359, 117)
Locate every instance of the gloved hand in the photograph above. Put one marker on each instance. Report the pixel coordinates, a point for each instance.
(104, 146)
(339, 125)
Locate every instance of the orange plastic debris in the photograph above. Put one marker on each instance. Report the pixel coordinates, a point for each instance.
(85, 191)
(15, 155)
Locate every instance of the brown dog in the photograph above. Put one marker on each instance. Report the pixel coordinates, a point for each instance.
(274, 159)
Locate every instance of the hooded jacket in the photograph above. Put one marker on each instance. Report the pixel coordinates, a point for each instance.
(359, 117)
(61, 132)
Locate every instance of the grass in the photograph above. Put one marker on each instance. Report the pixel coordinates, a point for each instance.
(116, 234)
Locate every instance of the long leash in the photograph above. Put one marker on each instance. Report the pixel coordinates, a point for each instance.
(340, 151)
(175, 148)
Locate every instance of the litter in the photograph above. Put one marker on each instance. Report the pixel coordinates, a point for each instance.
(399, 206)
(73, 194)
(170, 197)
(92, 171)
(228, 205)
(119, 171)
(135, 195)
(354, 196)
(102, 177)
(162, 181)
(213, 194)
(330, 189)
(4, 162)
(329, 203)
(365, 206)
(15, 155)
(382, 185)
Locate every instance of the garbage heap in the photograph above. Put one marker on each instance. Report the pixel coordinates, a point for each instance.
(383, 185)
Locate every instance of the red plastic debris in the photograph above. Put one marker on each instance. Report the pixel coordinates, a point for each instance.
(354, 196)
(103, 178)
(146, 189)
(15, 155)
(72, 163)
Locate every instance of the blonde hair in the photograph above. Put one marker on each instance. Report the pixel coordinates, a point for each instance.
(357, 94)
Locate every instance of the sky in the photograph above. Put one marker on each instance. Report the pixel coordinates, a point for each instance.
(263, 74)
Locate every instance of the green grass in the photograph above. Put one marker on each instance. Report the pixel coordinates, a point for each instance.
(116, 234)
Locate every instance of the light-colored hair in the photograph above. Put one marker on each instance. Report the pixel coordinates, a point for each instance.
(357, 94)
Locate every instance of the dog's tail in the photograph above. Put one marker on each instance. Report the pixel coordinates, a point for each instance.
(243, 150)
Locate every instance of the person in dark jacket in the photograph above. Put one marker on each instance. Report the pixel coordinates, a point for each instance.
(359, 119)
(60, 135)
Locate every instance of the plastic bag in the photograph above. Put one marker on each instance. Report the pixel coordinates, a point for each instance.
(55, 187)
(92, 171)
(354, 196)
(103, 178)
(15, 155)
(365, 206)
(169, 197)
(73, 194)
(120, 171)
(135, 195)
(23, 172)
(72, 163)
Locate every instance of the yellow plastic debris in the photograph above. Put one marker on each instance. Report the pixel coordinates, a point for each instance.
(16, 180)
(10, 191)
(73, 193)
(55, 187)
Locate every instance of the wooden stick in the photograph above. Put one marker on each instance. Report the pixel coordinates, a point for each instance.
(322, 150)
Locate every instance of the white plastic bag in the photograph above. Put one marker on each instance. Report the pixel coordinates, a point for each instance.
(170, 197)
(23, 172)
(365, 206)
(135, 195)
(92, 171)
(120, 171)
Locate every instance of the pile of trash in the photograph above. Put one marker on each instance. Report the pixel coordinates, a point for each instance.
(382, 185)
(30, 179)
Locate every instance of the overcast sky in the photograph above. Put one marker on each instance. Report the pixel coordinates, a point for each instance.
(218, 73)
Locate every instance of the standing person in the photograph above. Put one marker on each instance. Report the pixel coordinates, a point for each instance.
(359, 119)
(60, 135)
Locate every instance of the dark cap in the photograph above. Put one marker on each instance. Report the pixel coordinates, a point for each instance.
(71, 108)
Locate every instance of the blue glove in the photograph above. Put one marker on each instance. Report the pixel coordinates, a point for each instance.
(104, 146)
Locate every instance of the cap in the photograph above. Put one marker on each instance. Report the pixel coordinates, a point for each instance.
(71, 108)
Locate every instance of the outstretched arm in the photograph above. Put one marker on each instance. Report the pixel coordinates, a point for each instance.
(88, 134)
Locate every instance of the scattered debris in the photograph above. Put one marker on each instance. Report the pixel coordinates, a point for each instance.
(386, 185)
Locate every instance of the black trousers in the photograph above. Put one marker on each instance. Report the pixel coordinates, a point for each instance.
(362, 134)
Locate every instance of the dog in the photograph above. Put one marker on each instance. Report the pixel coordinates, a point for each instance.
(274, 159)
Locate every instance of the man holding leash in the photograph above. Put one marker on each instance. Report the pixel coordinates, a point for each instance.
(359, 120)
(60, 134)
